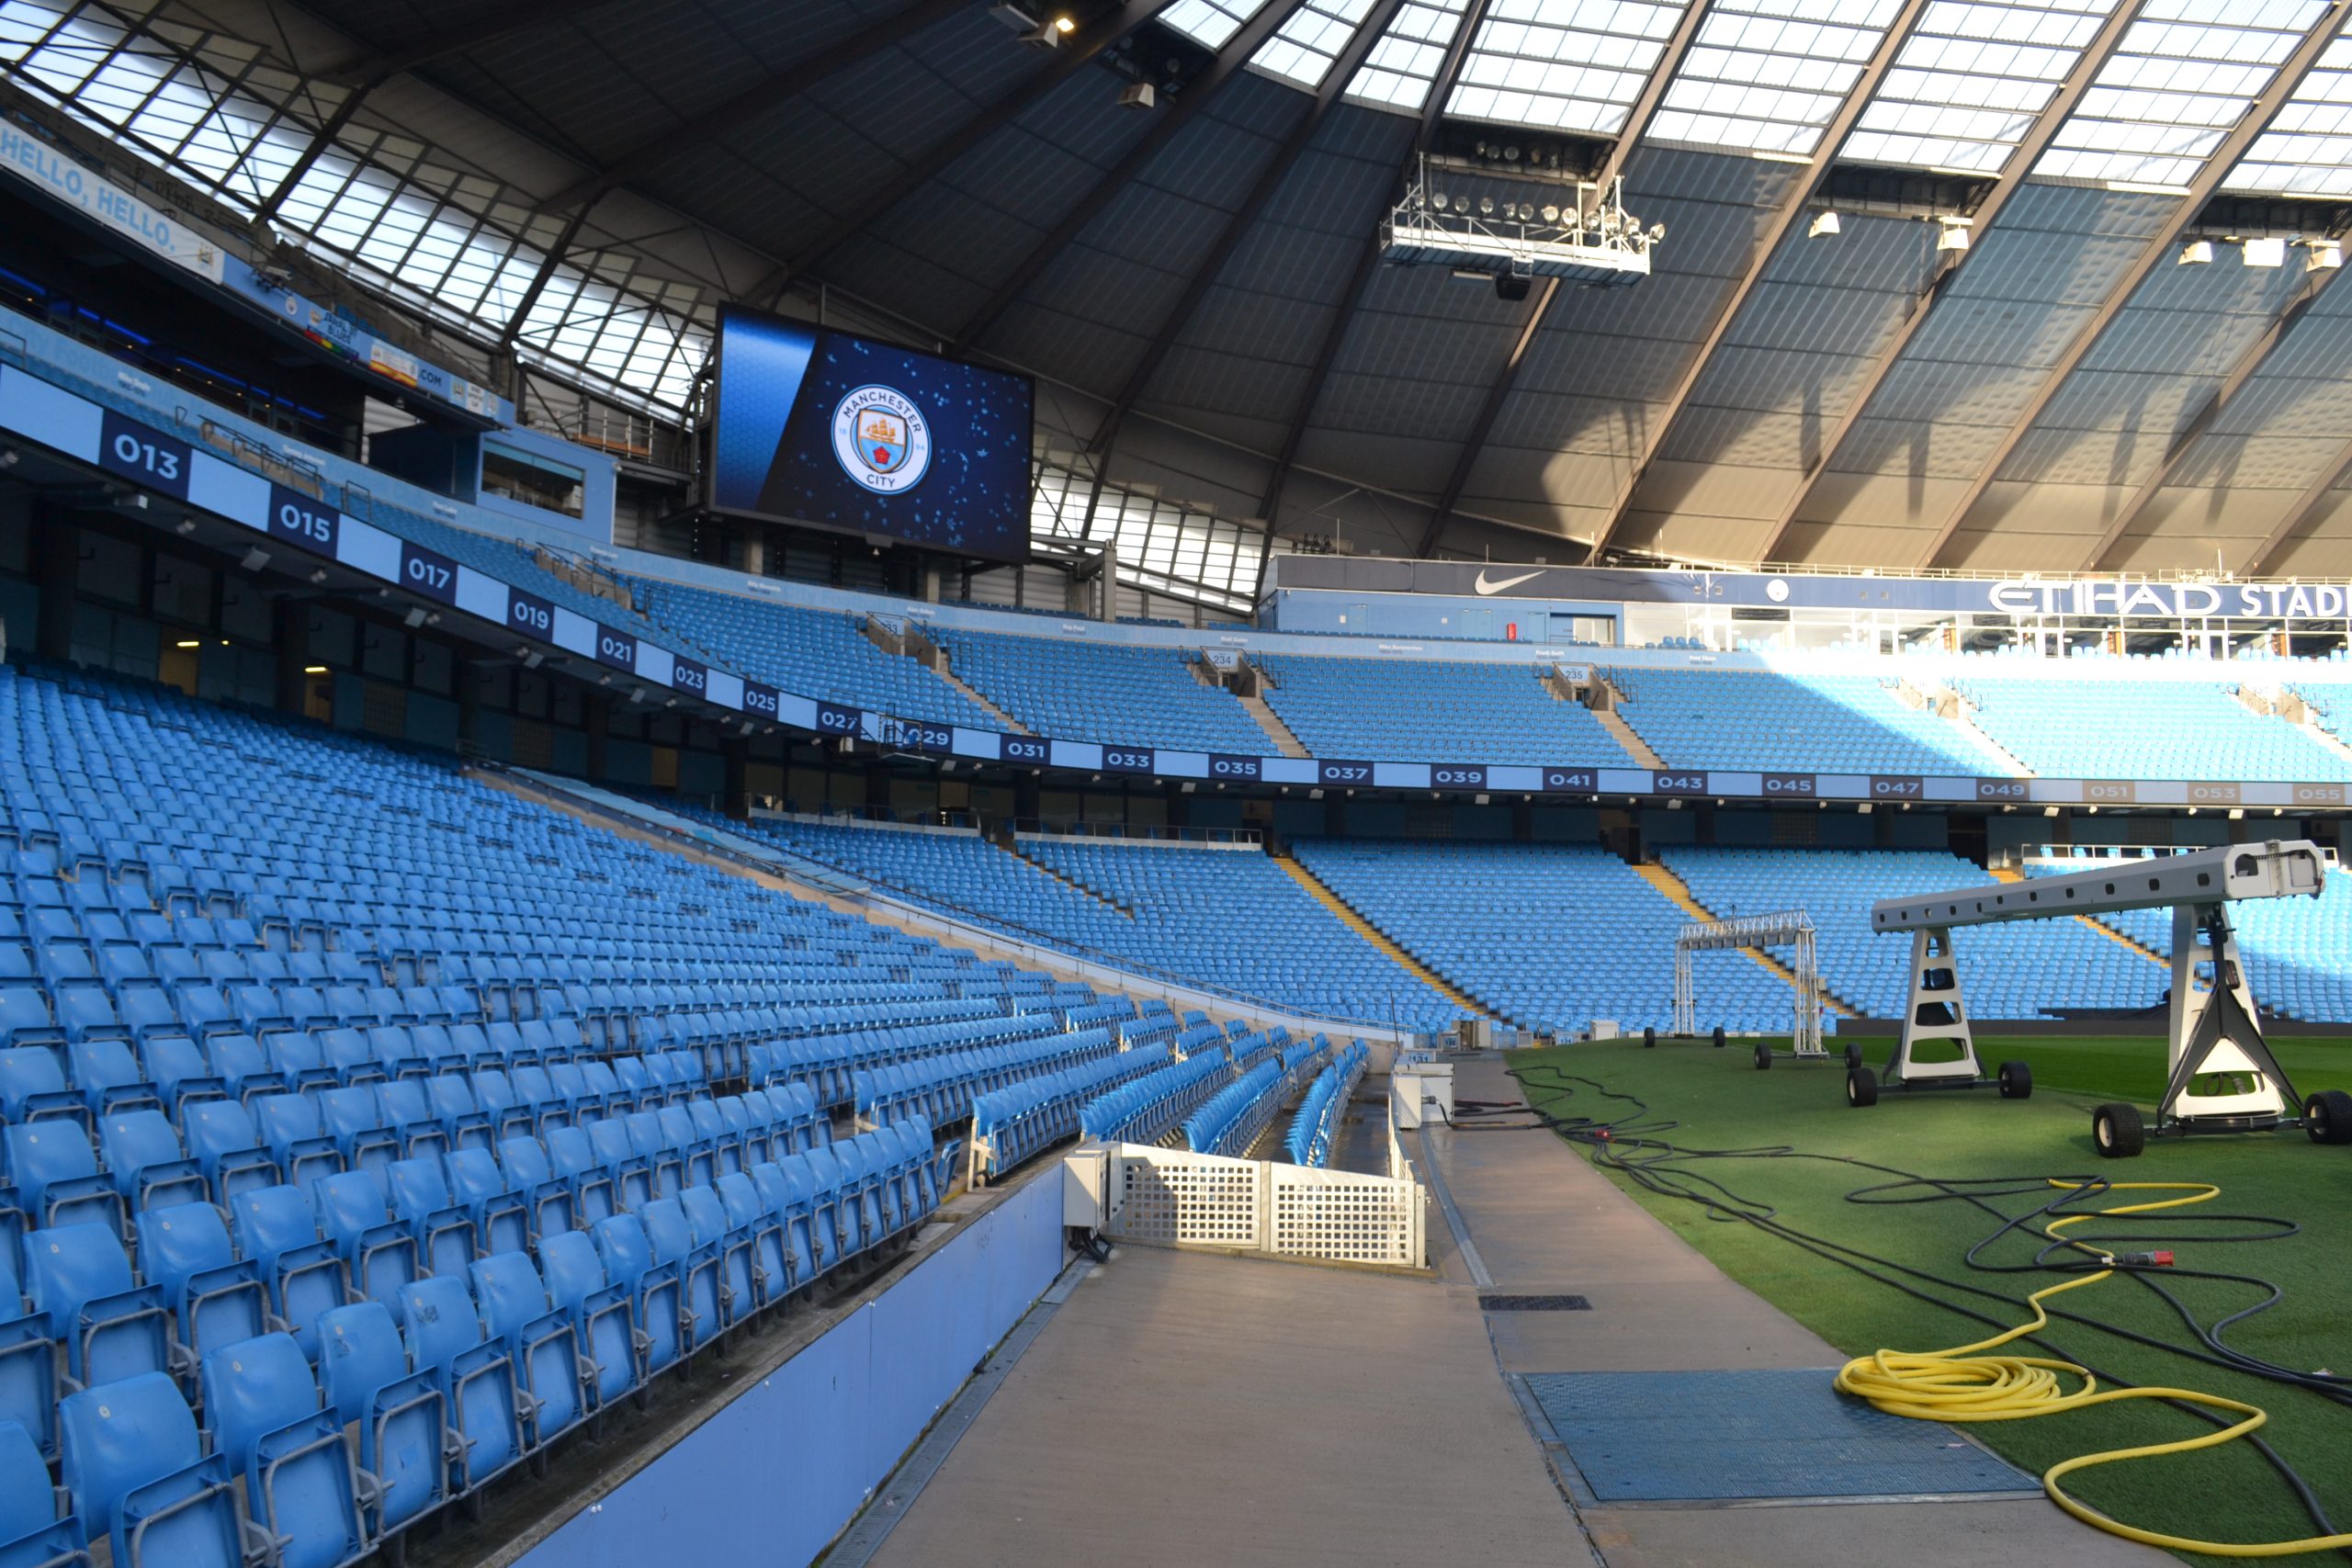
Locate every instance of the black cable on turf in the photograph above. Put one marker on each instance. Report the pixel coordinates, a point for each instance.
(1625, 1154)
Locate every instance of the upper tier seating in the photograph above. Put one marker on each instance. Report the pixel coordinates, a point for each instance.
(1226, 920)
(1549, 937)
(1433, 711)
(2116, 729)
(814, 653)
(1824, 723)
(1103, 692)
(2020, 970)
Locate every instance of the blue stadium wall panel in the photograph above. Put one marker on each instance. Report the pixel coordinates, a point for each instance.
(774, 1477)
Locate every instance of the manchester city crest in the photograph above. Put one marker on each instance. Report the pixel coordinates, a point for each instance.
(880, 439)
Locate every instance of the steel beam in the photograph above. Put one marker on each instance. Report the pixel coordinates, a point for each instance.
(2310, 500)
(1165, 127)
(2158, 251)
(2011, 179)
(540, 280)
(1204, 276)
(1784, 218)
(2257, 355)
(1077, 51)
(1441, 86)
(488, 25)
(727, 114)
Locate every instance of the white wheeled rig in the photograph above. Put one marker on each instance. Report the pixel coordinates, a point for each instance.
(2220, 1075)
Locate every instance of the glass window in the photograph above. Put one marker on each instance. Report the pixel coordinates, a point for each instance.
(1564, 64)
(1769, 76)
(1967, 84)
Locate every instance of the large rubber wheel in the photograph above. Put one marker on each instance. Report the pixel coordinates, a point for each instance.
(1861, 1087)
(1853, 1054)
(2016, 1081)
(1718, 1037)
(2327, 1117)
(2117, 1130)
(1763, 1055)
(1649, 1039)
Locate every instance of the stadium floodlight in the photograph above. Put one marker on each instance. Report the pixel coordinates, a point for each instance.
(1822, 223)
(1587, 238)
(1951, 235)
(2196, 253)
(2322, 256)
(2264, 253)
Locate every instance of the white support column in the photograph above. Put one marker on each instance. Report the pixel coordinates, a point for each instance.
(1935, 983)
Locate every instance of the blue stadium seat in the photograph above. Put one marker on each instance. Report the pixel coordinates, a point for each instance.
(263, 1408)
(602, 1314)
(278, 1232)
(542, 1340)
(486, 1412)
(133, 1465)
(216, 1297)
(33, 1534)
(79, 1279)
(402, 1415)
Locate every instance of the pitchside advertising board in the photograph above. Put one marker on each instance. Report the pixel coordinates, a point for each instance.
(44, 414)
(820, 427)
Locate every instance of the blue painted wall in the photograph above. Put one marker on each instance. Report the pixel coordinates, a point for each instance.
(771, 1478)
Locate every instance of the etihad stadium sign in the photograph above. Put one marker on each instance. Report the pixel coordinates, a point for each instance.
(2119, 599)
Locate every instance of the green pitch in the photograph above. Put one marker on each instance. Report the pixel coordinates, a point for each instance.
(1720, 1101)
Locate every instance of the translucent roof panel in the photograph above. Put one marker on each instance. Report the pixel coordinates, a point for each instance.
(1306, 47)
(1397, 73)
(1965, 87)
(2307, 151)
(1209, 22)
(1768, 76)
(2186, 72)
(1564, 64)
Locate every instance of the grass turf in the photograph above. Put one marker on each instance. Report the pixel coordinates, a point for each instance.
(1720, 1101)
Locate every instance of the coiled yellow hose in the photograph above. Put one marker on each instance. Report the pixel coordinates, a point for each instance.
(1962, 1384)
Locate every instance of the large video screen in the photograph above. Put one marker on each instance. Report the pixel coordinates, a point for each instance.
(841, 432)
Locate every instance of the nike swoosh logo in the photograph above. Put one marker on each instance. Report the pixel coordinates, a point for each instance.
(1483, 586)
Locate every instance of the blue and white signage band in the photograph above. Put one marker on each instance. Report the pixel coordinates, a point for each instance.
(40, 413)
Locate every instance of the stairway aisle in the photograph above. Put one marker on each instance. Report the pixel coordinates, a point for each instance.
(1378, 938)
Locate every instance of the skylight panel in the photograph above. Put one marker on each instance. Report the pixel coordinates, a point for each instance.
(2307, 151)
(1304, 47)
(1562, 65)
(2187, 71)
(1398, 71)
(1768, 76)
(1208, 22)
(1967, 84)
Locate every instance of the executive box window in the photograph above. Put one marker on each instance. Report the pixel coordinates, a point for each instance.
(533, 481)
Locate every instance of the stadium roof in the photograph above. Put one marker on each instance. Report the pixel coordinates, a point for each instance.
(1199, 286)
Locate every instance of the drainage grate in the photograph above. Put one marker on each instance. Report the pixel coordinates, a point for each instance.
(1533, 1304)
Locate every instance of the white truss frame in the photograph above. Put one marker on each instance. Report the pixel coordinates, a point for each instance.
(1794, 927)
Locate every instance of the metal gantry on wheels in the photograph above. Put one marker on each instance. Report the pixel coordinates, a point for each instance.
(2220, 1075)
(1791, 928)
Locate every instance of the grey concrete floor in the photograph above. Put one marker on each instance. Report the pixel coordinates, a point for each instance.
(1186, 1409)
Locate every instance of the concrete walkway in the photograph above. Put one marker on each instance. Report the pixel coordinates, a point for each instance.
(1544, 1220)
(1185, 1410)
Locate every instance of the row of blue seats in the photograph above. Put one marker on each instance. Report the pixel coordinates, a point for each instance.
(829, 1063)
(1325, 1105)
(296, 1254)
(228, 1147)
(1140, 1112)
(1232, 1116)
(1011, 1123)
(170, 1071)
(942, 1087)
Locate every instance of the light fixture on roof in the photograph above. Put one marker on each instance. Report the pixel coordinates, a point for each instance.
(1822, 223)
(314, 669)
(1138, 96)
(2196, 252)
(1487, 207)
(1551, 215)
(1512, 287)
(1951, 233)
(1438, 199)
(2323, 256)
(2269, 252)
(1048, 34)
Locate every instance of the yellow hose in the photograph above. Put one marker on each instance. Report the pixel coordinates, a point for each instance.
(1959, 1385)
